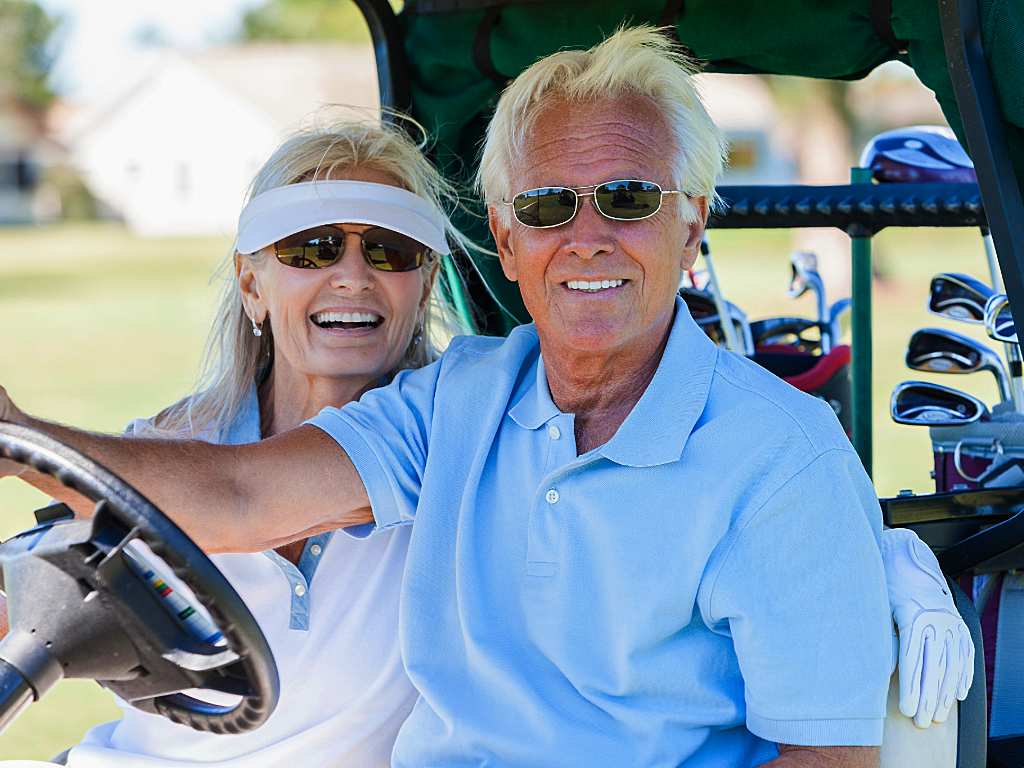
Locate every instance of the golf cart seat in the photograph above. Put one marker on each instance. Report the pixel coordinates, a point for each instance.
(979, 532)
(961, 740)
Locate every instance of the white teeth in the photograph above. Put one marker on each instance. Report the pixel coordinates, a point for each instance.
(345, 317)
(593, 285)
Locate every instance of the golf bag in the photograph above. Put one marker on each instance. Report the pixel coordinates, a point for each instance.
(990, 454)
(827, 377)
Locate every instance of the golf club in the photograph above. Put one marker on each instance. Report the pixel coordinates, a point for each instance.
(958, 297)
(935, 350)
(999, 325)
(998, 320)
(805, 275)
(931, 405)
(835, 316)
(962, 297)
(733, 343)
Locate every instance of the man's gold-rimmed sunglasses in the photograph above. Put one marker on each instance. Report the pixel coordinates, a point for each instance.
(623, 200)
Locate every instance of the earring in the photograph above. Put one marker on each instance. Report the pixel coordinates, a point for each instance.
(257, 330)
(418, 336)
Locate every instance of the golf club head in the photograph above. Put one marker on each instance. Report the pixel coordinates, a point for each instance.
(930, 405)
(805, 275)
(935, 350)
(787, 331)
(835, 317)
(958, 297)
(998, 320)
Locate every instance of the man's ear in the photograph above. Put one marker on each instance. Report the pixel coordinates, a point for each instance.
(501, 234)
(249, 285)
(695, 233)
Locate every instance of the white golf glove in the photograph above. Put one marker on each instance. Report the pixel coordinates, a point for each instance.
(934, 649)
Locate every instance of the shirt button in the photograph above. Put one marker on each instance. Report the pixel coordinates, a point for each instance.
(300, 590)
(552, 496)
(315, 549)
(553, 431)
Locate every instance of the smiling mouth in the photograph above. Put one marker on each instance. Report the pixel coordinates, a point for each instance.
(593, 286)
(348, 321)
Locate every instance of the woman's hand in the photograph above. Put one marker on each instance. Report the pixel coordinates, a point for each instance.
(10, 412)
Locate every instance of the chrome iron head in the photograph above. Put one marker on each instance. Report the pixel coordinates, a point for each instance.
(934, 350)
(930, 405)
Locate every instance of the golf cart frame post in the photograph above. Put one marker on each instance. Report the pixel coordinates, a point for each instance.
(861, 208)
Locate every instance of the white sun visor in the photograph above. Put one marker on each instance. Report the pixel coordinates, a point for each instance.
(284, 211)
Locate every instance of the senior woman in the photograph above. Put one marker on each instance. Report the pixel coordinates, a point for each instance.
(335, 259)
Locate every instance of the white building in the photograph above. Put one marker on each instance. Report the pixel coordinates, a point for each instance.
(177, 152)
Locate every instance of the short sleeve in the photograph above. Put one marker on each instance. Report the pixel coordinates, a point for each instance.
(386, 435)
(801, 590)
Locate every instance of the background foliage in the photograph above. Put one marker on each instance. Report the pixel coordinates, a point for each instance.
(26, 52)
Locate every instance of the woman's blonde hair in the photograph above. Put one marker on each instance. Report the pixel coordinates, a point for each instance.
(638, 60)
(233, 356)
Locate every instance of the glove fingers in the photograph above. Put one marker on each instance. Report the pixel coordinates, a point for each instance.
(931, 652)
(910, 669)
(967, 650)
(953, 666)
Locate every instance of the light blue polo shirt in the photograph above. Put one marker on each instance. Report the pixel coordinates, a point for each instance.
(705, 585)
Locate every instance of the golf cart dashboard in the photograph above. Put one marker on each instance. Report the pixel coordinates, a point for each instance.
(981, 531)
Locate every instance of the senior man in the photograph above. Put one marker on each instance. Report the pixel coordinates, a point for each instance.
(631, 547)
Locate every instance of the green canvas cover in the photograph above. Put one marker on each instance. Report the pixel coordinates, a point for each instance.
(453, 96)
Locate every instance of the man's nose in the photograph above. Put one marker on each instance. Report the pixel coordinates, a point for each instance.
(589, 232)
(351, 271)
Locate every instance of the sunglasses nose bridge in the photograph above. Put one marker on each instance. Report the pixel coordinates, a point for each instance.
(352, 268)
(588, 233)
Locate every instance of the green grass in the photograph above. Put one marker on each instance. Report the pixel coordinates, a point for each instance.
(98, 327)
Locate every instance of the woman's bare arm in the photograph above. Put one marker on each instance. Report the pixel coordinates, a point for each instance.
(244, 498)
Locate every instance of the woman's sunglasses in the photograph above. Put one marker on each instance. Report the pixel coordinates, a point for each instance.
(625, 200)
(322, 246)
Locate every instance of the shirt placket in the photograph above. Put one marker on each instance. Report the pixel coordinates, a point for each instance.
(550, 500)
(299, 578)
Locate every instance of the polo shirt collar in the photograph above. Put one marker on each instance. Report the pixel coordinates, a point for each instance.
(246, 426)
(656, 430)
(535, 407)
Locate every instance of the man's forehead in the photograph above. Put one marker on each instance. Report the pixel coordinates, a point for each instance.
(579, 144)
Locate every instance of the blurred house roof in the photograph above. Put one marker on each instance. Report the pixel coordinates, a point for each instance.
(287, 82)
(175, 152)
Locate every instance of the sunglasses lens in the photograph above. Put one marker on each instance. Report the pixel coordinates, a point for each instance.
(311, 249)
(391, 252)
(628, 199)
(546, 207)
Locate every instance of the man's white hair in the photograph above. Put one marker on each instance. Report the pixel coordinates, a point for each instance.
(632, 61)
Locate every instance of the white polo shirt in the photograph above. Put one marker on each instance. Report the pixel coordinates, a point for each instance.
(332, 624)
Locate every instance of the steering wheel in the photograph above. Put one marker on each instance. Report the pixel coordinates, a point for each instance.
(80, 606)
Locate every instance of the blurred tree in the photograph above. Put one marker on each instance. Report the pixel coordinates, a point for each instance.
(307, 20)
(26, 52)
